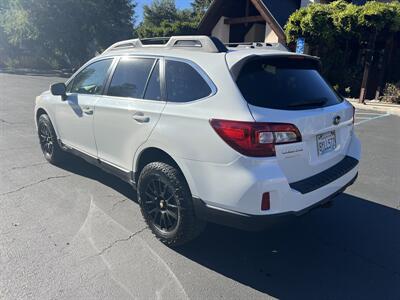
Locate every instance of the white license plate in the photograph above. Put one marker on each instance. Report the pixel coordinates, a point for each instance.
(326, 142)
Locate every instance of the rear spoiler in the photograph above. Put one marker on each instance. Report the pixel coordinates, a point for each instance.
(236, 64)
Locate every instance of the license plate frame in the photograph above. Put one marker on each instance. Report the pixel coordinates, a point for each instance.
(326, 142)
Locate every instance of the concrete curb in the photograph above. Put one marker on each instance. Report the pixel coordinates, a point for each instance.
(33, 72)
(392, 109)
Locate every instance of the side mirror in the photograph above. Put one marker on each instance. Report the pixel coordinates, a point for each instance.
(59, 89)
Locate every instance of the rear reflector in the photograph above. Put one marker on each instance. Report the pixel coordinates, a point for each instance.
(265, 203)
(255, 139)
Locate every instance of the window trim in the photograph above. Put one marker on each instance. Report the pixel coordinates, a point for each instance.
(156, 61)
(162, 79)
(88, 64)
(199, 70)
(117, 59)
(162, 59)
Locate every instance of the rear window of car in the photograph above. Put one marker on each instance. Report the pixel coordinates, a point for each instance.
(285, 83)
(184, 83)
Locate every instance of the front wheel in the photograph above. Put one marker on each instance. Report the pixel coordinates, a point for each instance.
(48, 141)
(166, 204)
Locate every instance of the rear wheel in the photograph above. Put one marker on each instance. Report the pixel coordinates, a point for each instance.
(166, 204)
(48, 141)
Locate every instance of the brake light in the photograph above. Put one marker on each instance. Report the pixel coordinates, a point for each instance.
(254, 138)
(265, 202)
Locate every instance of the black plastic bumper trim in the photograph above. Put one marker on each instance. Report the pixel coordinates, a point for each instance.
(254, 222)
(326, 177)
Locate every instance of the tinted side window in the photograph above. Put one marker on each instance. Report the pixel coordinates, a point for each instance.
(184, 83)
(153, 91)
(69, 86)
(130, 77)
(91, 80)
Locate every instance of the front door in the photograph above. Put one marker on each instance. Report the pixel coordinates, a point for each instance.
(75, 115)
(129, 110)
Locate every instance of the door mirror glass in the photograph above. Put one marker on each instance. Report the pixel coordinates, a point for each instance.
(59, 89)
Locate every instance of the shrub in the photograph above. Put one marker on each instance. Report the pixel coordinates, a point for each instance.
(391, 93)
(336, 32)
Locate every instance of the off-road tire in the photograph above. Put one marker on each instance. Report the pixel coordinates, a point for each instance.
(188, 226)
(46, 130)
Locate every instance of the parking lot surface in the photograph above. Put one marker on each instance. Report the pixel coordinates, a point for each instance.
(75, 232)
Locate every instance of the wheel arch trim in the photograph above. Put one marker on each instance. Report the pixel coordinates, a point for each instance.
(40, 111)
(177, 161)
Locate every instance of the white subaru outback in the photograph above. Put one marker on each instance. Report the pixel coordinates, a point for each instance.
(235, 136)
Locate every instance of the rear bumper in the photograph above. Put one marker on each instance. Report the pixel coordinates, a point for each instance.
(255, 222)
(239, 186)
(326, 177)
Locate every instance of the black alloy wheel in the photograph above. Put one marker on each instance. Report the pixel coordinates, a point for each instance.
(161, 206)
(46, 139)
(167, 205)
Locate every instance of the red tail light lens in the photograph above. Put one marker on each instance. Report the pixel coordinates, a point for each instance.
(255, 139)
(265, 202)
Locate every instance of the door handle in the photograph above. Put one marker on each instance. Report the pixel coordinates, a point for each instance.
(140, 117)
(87, 110)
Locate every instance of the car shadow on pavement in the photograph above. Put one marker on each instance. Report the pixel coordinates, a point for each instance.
(350, 250)
(80, 167)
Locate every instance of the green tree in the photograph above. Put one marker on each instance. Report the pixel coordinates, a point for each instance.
(159, 11)
(65, 33)
(200, 7)
(4, 44)
(162, 18)
(336, 31)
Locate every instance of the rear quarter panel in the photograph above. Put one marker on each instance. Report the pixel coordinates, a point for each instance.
(184, 129)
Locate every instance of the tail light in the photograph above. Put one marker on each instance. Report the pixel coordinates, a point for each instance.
(255, 139)
(265, 202)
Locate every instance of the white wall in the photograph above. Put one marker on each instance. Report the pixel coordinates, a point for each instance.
(270, 35)
(221, 30)
(256, 33)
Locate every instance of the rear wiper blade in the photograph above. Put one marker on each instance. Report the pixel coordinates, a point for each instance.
(315, 102)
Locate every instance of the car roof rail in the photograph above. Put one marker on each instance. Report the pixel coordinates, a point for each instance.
(256, 45)
(200, 43)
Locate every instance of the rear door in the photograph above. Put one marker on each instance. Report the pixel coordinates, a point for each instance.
(291, 90)
(129, 110)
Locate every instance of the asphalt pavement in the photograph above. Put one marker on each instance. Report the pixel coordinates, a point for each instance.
(75, 232)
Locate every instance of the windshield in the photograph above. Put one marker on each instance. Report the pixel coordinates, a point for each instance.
(285, 83)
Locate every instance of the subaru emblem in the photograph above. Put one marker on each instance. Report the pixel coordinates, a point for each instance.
(336, 120)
